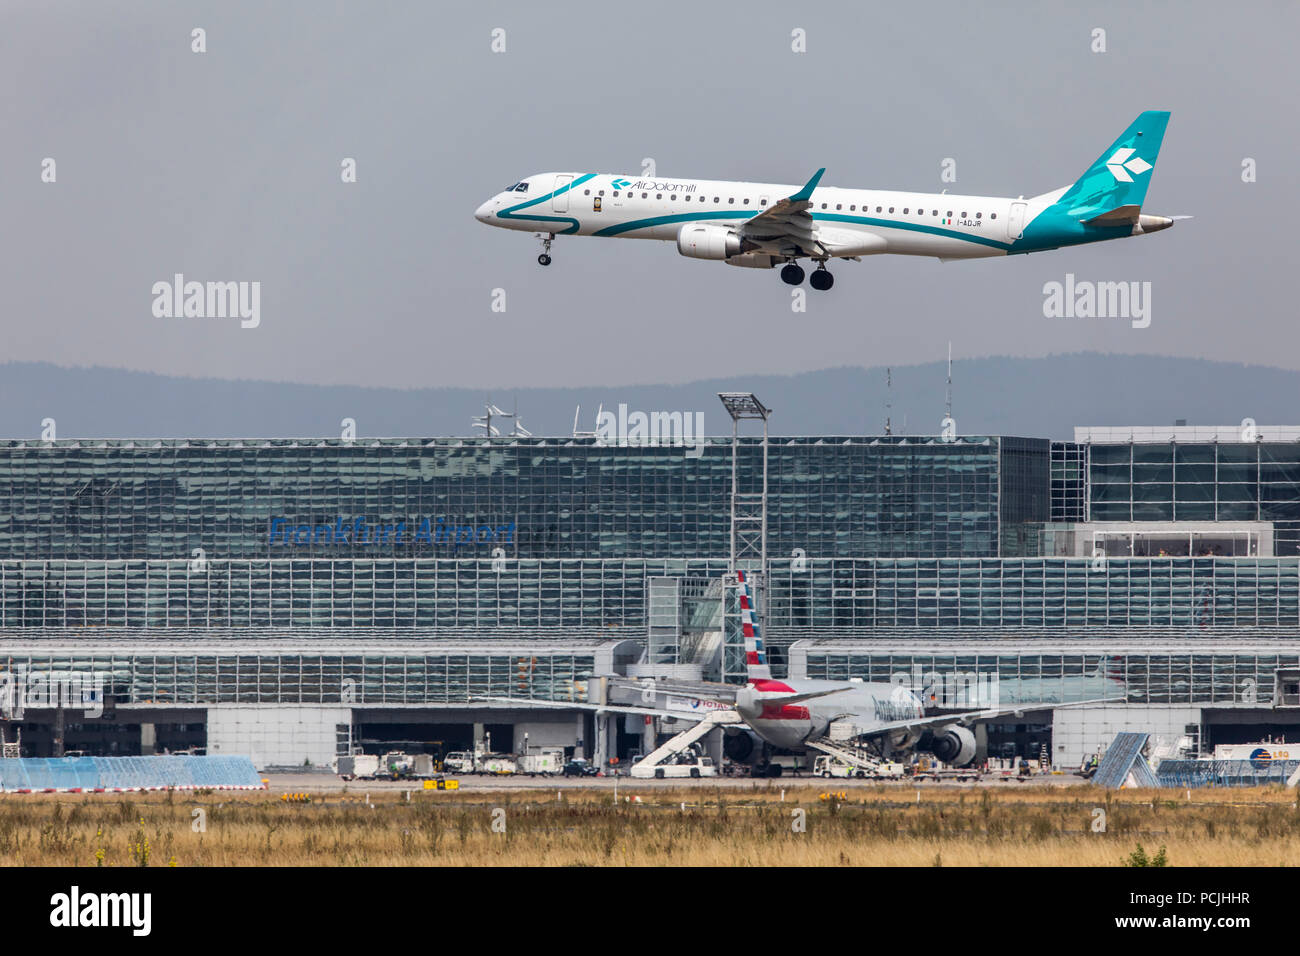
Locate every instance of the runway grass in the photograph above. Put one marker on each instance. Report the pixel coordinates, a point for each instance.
(696, 826)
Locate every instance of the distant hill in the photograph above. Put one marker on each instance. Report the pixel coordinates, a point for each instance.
(1043, 397)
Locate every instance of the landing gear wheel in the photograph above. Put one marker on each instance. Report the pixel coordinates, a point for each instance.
(792, 274)
(545, 258)
(821, 280)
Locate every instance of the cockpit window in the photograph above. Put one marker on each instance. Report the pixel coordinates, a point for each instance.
(510, 189)
(521, 188)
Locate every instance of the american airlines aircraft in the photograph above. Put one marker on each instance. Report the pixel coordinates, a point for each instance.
(796, 715)
(763, 225)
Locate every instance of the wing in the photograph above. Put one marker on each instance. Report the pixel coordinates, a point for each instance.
(975, 716)
(785, 227)
(602, 708)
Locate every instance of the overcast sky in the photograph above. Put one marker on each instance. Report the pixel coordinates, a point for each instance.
(226, 166)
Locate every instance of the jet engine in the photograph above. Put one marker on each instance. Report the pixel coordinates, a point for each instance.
(702, 241)
(742, 746)
(954, 745)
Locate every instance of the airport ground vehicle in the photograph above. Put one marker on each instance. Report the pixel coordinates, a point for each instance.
(459, 761)
(495, 763)
(547, 761)
(394, 765)
(693, 766)
(827, 766)
(580, 767)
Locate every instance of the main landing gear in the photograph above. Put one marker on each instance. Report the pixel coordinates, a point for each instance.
(545, 258)
(821, 280)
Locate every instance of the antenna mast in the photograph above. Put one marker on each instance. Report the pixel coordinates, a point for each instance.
(949, 404)
(889, 400)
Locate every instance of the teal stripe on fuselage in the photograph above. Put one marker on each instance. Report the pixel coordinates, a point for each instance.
(912, 227)
(623, 227)
(575, 225)
(620, 228)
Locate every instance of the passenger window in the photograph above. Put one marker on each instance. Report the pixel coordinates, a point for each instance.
(878, 209)
(904, 210)
(673, 197)
(643, 195)
(978, 214)
(949, 213)
(963, 214)
(891, 209)
(823, 205)
(731, 201)
(586, 192)
(838, 206)
(746, 200)
(993, 215)
(762, 202)
(716, 199)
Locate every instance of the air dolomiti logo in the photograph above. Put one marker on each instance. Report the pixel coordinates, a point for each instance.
(657, 185)
(1120, 165)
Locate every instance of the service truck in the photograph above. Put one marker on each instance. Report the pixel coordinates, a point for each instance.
(546, 761)
(694, 766)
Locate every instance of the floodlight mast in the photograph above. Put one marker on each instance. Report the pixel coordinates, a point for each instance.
(747, 510)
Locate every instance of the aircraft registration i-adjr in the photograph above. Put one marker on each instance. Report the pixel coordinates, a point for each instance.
(763, 225)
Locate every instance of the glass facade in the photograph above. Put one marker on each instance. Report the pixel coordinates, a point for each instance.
(1031, 592)
(588, 596)
(1069, 481)
(1199, 481)
(1150, 676)
(526, 498)
(270, 676)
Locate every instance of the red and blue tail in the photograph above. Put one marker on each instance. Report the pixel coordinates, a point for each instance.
(755, 655)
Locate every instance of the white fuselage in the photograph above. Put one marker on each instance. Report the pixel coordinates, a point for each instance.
(849, 222)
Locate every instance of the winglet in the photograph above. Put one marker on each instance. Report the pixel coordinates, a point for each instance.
(805, 194)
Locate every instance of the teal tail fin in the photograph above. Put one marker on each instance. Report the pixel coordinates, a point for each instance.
(1121, 174)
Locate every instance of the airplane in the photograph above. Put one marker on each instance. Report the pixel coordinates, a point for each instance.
(796, 715)
(762, 225)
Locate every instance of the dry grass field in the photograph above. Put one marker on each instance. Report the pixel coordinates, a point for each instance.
(719, 827)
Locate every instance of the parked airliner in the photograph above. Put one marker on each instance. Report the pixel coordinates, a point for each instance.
(762, 225)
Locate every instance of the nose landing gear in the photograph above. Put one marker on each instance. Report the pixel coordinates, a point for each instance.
(545, 258)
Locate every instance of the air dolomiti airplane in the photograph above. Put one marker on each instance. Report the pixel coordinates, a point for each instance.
(762, 225)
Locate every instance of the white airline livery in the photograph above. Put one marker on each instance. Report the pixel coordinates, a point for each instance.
(762, 225)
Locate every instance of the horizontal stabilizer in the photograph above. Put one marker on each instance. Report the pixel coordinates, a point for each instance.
(796, 698)
(1119, 216)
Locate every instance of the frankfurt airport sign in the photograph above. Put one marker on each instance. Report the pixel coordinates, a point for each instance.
(366, 532)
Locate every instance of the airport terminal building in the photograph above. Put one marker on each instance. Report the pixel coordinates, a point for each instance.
(295, 599)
